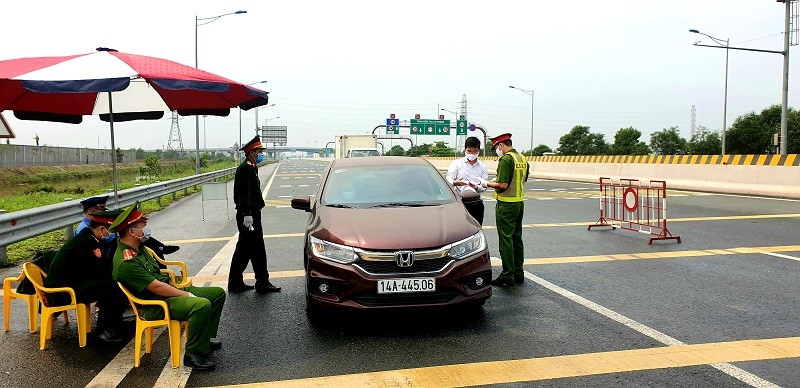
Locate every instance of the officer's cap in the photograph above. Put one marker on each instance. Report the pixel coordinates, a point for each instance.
(128, 216)
(105, 217)
(89, 203)
(497, 139)
(253, 145)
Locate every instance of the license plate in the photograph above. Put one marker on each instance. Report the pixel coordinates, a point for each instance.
(393, 286)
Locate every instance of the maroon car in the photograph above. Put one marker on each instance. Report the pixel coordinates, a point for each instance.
(388, 232)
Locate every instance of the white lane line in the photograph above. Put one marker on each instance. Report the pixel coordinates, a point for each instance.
(781, 256)
(285, 196)
(536, 189)
(733, 371)
(581, 188)
(302, 185)
(286, 185)
(120, 365)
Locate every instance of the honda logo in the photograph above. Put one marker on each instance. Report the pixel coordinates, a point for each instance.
(404, 258)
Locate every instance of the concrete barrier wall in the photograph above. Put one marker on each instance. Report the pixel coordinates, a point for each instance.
(14, 155)
(750, 175)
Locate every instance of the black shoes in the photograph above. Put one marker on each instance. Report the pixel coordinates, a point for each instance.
(215, 344)
(198, 362)
(502, 282)
(110, 337)
(519, 280)
(269, 287)
(239, 288)
(167, 249)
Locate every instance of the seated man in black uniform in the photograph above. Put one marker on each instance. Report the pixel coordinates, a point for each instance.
(81, 265)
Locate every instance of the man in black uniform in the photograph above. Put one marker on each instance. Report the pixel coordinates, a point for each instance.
(249, 202)
(81, 265)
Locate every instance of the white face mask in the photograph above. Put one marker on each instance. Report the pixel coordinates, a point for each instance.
(500, 152)
(470, 157)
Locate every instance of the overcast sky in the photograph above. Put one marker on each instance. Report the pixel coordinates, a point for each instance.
(341, 67)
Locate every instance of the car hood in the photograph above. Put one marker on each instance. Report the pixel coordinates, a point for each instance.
(394, 228)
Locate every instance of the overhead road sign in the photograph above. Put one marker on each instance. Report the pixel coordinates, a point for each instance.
(430, 127)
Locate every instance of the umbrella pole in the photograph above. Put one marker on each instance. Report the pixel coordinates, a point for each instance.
(113, 149)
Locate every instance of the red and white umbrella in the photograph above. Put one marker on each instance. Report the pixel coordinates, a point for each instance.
(117, 87)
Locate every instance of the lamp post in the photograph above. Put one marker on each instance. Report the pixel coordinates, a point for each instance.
(785, 52)
(198, 21)
(455, 149)
(531, 92)
(725, 103)
(257, 114)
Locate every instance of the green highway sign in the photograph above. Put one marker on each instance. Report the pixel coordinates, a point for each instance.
(461, 126)
(430, 127)
(327, 150)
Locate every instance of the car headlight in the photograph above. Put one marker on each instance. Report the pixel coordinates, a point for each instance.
(469, 246)
(333, 252)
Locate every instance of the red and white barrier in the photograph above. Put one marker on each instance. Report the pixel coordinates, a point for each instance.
(631, 206)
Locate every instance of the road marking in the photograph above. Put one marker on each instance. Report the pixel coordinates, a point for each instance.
(555, 367)
(717, 360)
(781, 256)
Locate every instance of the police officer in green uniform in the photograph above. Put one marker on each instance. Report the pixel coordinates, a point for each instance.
(138, 271)
(82, 265)
(249, 202)
(509, 186)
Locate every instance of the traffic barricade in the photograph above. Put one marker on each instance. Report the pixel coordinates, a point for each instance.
(632, 206)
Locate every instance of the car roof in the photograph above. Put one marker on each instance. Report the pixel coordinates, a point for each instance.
(381, 161)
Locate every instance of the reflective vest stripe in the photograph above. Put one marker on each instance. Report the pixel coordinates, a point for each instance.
(516, 188)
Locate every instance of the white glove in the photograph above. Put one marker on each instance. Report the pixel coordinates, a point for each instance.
(248, 222)
(483, 183)
(191, 295)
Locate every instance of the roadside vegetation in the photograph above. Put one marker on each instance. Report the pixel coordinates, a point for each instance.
(30, 187)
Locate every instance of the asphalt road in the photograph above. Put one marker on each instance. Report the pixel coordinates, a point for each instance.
(598, 308)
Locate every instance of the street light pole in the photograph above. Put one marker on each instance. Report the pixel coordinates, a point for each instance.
(455, 149)
(531, 92)
(725, 101)
(197, 23)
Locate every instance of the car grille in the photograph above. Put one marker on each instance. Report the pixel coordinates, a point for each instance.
(374, 299)
(390, 267)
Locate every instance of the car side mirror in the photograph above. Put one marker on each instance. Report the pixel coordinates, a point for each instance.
(301, 204)
(469, 196)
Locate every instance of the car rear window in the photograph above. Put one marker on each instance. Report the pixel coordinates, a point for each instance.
(376, 185)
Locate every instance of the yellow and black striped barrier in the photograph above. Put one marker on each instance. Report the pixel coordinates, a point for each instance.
(736, 160)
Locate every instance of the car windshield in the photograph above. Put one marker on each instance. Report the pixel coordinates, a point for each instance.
(385, 186)
(359, 153)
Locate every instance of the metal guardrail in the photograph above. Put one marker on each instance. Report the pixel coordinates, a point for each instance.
(24, 224)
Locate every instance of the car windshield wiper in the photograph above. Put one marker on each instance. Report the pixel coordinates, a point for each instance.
(400, 204)
(341, 205)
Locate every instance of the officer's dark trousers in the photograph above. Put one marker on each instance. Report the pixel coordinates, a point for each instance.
(111, 302)
(249, 248)
(475, 209)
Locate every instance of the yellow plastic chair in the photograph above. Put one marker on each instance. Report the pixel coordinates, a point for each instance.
(146, 327)
(10, 293)
(36, 276)
(180, 282)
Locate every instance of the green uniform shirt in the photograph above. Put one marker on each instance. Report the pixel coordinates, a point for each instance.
(136, 269)
(79, 260)
(247, 189)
